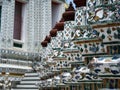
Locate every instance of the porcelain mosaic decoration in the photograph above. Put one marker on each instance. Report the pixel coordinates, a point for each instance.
(102, 11)
(80, 16)
(67, 30)
(57, 42)
(83, 73)
(107, 66)
(85, 54)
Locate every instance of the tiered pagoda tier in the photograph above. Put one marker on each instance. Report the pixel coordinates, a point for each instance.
(83, 51)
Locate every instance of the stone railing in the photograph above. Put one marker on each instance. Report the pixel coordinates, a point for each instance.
(15, 62)
(14, 70)
(15, 66)
(17, 54)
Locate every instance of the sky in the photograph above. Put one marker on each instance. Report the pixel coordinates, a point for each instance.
(68, 1)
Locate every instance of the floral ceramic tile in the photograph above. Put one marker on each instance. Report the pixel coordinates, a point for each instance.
(80, 16)
(103, 13)
(68, 27)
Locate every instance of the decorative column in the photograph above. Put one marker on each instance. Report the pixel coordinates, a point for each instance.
(30, 26)
(82, 86)
(45, 17)
(41, 22)
(119, 83)
(7, 22)
(93, 87)
(37, 25)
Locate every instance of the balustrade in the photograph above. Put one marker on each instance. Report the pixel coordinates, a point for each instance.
(15, 54)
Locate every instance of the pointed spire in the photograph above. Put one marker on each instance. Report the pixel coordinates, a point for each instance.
(70, 8)
(69, 14)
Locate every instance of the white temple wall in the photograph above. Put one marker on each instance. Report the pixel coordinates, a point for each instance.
(36, 23)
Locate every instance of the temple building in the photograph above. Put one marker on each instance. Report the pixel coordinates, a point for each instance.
(45, 46)
(23, 26)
